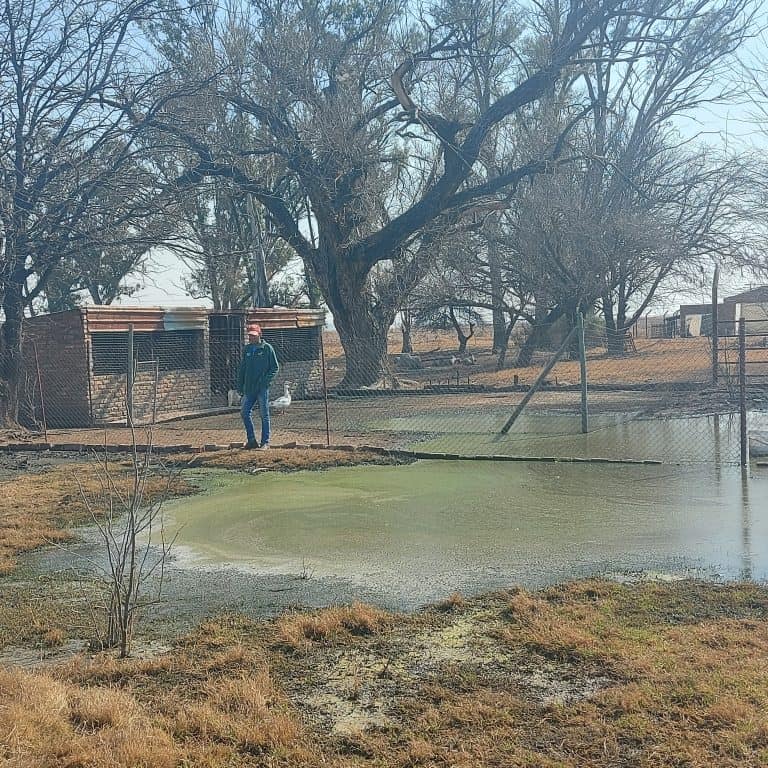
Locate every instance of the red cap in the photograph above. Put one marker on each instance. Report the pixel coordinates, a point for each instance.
(254, 328)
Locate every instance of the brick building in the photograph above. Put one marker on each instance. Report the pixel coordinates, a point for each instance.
(184, 360)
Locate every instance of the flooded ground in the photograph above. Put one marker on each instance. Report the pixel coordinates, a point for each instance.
(623, 435)
(412, 534)
(404, 536)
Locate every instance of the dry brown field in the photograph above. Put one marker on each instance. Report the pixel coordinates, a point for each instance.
(586, 674)
(655, 361)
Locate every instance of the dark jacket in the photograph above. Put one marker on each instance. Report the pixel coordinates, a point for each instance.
(257, 368)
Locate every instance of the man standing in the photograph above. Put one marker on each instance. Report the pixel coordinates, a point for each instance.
(257, 369)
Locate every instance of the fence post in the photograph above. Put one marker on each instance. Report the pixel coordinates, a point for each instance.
(583, 366)
(715, 327)
(325, 392)
(129, 378)
(536, 384)
(154, 391)
(743, 434)
(42, 396)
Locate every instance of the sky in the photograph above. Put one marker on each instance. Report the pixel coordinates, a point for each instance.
(164, 284)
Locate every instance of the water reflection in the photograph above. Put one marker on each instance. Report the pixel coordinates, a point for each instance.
(746, 526)
(712, 438)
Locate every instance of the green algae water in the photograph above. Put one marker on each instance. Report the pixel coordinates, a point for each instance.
(620, 435)
(415, 533)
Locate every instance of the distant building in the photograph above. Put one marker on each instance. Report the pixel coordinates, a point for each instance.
(751, 305)
(696, 319)
(184, 360)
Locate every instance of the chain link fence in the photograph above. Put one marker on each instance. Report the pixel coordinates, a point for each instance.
(647, 397)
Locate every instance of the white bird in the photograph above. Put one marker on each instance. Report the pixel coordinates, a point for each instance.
(282, 402)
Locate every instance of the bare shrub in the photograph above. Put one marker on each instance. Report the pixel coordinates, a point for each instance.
(131, 526)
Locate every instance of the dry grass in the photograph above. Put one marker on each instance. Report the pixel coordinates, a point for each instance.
(48, 722)
(36, 510)
(300, 631)
(666, 361)
(454, 602)
(683, 672)
(286, 460)
(657, 361)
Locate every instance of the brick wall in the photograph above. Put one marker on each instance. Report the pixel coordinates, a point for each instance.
(178, 392)
(60, 342)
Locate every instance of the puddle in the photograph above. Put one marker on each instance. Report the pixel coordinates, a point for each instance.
(611, 435)
(412, 534)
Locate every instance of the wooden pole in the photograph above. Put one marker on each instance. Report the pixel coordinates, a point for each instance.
(129, 378)
(325, 391)
(536, 384)
(743, 434)
(583, 366)
(42, 396)
(715, 327)
(154, 392)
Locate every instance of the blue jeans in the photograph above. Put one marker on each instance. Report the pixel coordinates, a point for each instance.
(262, 398)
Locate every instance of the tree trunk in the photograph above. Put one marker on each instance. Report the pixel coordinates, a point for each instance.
(464, 338)
(362, 322)
(213, 279)
(406, 330)
(313, 289)
(365, 347)
(500, 336)
(362, 326)
(11, 356)
(574, 353)
(505, 346)
(460, 335)
(614, 335)
(536, 337)
(260, 286)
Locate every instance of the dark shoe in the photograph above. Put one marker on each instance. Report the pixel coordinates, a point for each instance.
(251, 444)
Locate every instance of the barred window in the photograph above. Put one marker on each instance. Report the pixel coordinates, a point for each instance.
(172, 350)
(294, 344)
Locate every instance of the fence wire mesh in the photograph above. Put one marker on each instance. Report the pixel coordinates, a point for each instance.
(650, 398)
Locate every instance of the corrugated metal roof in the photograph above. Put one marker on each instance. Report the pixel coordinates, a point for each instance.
(144, 319)
(286, 318)
(110, 318)
(101, 319)
(753, 296)
(184, 320)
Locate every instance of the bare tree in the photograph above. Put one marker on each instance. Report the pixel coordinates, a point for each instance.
(223, 232)
(225, 239)
(645, 180)
(753, 260)
(643, 205)
(131, 526)
(64, 65)
(99, 268)
(350, 100)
